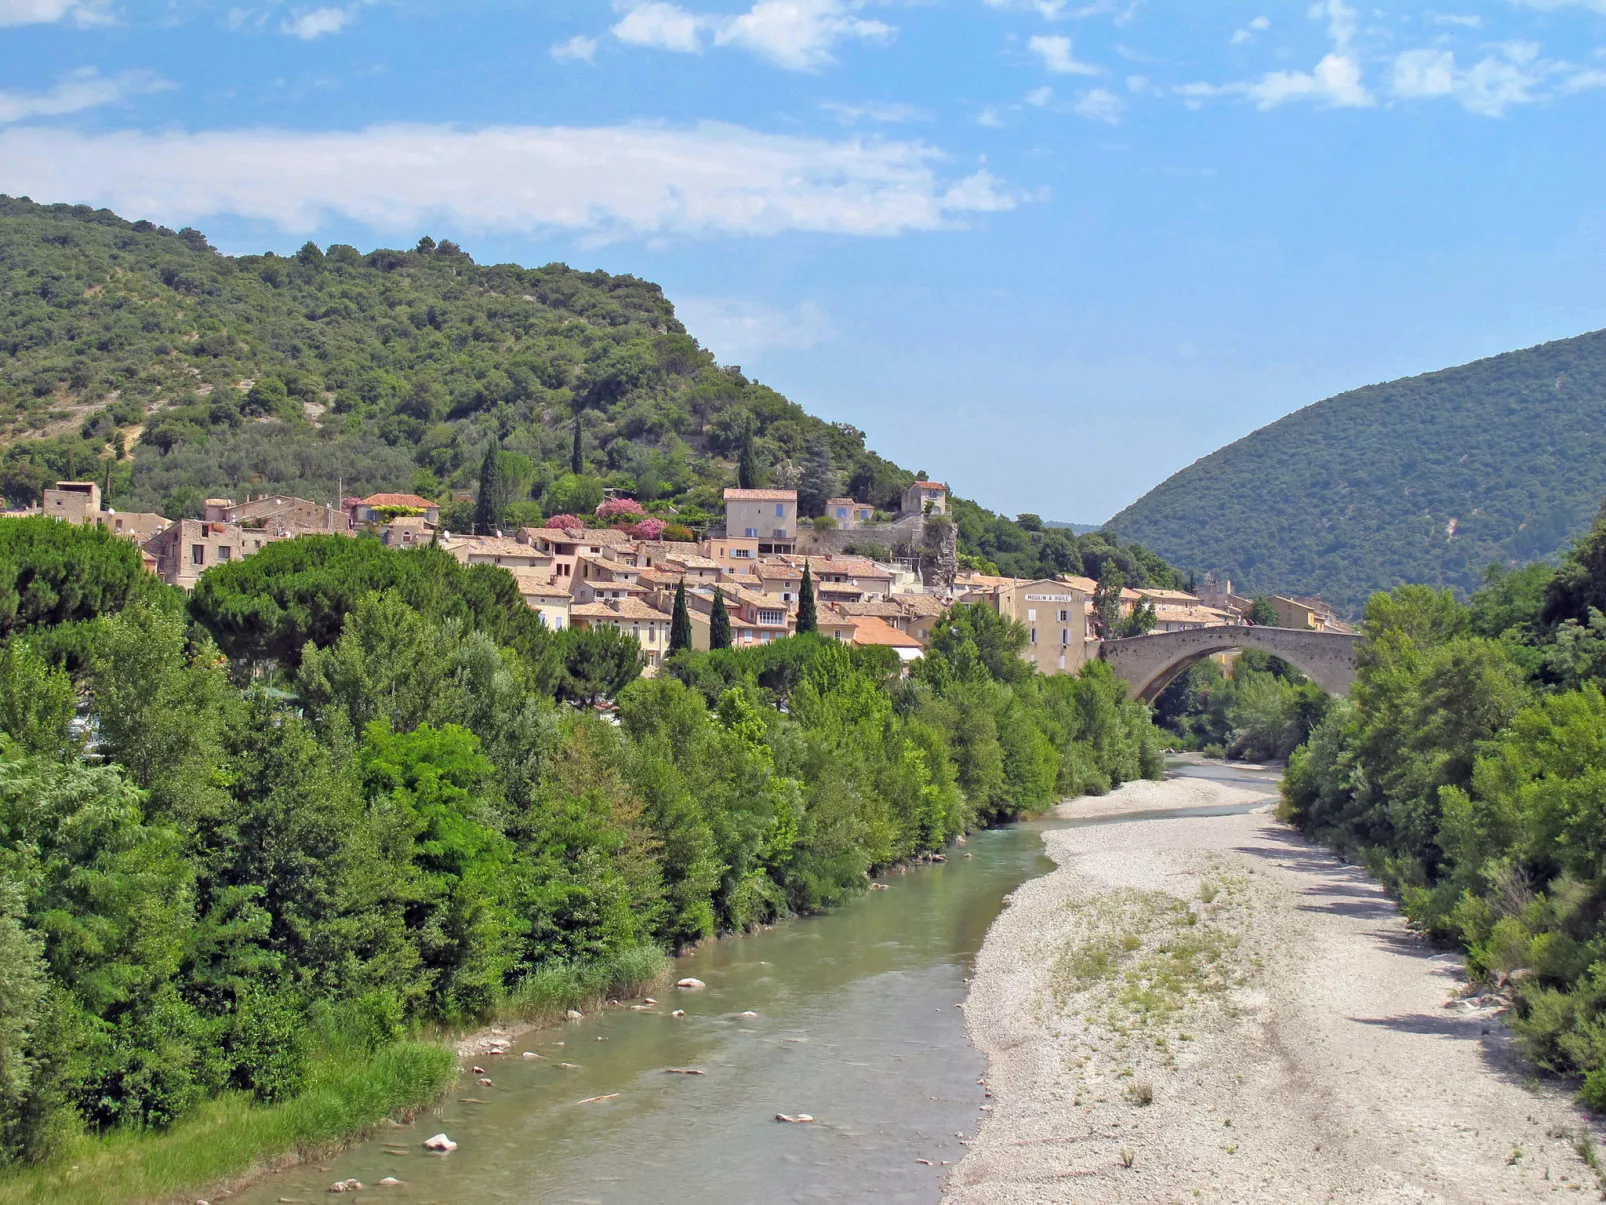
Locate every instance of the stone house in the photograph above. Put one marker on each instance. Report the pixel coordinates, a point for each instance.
(280, 513)
(921, 494)
(372, 508)
(72, 501)
(848, 514)
(647, 625)
(768, 516)
(190, 547)
(549, 599)
(497, 550)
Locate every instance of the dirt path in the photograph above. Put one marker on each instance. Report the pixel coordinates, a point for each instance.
(1212, 1010)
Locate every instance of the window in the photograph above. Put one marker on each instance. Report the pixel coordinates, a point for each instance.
(197, 554)
(225, 553)
(1064, 615)
(1062, 660)
(780, 510)
(751, 533)
(1031, 614)
(772, 617)
(1034, 636)
(1065, 637)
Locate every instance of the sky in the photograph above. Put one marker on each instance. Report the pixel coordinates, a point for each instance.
(1049, 251)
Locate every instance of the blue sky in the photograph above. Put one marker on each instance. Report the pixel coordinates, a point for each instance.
(1048, 250)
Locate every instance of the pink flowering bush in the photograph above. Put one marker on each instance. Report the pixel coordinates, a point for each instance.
(650, 529)
(616, 508)
(566, 522)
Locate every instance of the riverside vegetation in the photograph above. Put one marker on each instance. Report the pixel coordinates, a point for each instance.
(1469, 771)
(340, 798)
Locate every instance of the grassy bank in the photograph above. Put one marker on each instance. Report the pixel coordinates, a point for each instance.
(350, 1091)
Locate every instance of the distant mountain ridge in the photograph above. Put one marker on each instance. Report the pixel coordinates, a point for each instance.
(1428, 479)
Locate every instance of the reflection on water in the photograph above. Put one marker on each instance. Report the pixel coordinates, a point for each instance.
(857, 1025)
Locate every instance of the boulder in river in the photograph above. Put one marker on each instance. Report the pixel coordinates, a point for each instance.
(440, 1142)
(574, 1014)
(747, 1014)
(390, 1182)
(794, 1118)
(690, 983)
(679, 1012)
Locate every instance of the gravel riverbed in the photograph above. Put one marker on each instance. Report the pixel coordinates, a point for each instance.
(1209, 1009)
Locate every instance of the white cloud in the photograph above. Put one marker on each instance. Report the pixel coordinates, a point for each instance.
(1054, 10)
(662, 27)
(1100, 104)
(1335, 81)
(48, 12)
(1248, 32)
(315, 23)
(884, 112)
(77, 91)
(1461, 20)
(577, 49)
(1551, 6)
(1040, 96)
(1055, 52)
(990, 117)
(735, 329)
(796, 34)
(1516, 75)
(601, 183)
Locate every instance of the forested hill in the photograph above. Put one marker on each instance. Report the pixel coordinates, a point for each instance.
(1426, 479)
(141, 354)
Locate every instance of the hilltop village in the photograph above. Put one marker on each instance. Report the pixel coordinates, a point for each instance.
(616, 569)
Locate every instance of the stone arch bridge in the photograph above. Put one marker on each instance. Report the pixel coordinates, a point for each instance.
(1148, 664)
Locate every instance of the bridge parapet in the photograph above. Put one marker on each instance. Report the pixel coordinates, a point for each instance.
(1148, 664)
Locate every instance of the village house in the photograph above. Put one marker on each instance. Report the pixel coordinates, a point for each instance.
(564, 545)
(754, 618)
(597, 590)
(496, 550)
(735, 552)
(768, 516)
(647, 625)
(833, 622)
(1307, 614)
(922, 495)
(692, 567)
(549, 599)
(189, 547)
(848, 514)
(406, 531)
(779, 580)
(280, 513)
(1056, 613)
(844, 577)
(80, 502)
(381, 508)
(871, 630)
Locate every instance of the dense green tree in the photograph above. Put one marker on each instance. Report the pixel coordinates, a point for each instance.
(820, 479)
(680, 622)
(1262, 613)
(808, 619)
(492, 499)
(748, 475)
(54, 573)
(719, 623)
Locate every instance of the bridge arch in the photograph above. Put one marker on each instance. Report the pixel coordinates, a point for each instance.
(1148, 664)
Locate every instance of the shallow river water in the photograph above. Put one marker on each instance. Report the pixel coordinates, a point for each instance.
(857, 1025)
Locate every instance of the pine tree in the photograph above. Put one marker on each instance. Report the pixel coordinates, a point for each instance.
(807, 619)
(719, 623)
(493, 490)
(680, 624)
(747, 475)
(577, 460)
(819, 479)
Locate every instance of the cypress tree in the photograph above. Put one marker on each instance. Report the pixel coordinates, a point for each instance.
(577, 460)
(747, 476)
(488, 507)
(719, 623)
(680, 624)
(807, 619)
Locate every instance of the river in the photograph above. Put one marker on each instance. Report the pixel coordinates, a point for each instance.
(857, 1024)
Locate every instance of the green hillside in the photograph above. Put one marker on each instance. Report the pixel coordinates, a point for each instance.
(142, 357)
(1426, 479)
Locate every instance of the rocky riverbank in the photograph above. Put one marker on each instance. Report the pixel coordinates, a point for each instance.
(1210, 1009)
